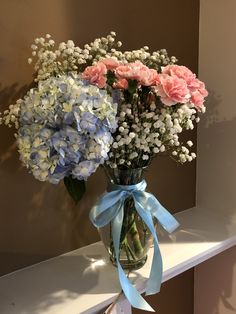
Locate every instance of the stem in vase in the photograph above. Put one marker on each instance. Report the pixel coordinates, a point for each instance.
(138, 248)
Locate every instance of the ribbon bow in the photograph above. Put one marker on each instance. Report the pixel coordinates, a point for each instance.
(110, 208)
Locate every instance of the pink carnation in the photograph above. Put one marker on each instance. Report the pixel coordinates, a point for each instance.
(110, 63)
(197, 99)
(198, 93)
(172, 90)
(200, 86)
(196, 87)
(121, 84)
(137, 71)
(147, 77)
(127, 71)
(181, 72)
(96, 74)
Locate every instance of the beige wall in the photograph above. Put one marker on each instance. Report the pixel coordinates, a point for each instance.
(215, 291)
(38, 220)
(215, 285)
(216, 163)
(176, 296)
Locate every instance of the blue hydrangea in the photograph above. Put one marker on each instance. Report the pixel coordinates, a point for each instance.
(66, 128)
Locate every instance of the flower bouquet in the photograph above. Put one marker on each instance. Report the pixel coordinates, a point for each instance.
(98, 106)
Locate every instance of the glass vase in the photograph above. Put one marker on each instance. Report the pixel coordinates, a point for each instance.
(136, 238)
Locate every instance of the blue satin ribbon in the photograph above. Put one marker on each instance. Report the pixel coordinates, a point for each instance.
(110, 209)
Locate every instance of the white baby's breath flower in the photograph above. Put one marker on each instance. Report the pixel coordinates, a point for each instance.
(51, 42)
(182, 158)
(132, 135)
(153, 106)
(158, 124)
(34, 47)
(158, 142)
(127, 140)
(133, 155)
(145, 157)
(162, 148)
(162, 130)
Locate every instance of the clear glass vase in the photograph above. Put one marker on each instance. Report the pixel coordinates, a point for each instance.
(136, 238)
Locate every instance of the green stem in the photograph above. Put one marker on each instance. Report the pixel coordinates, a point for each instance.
(127, 250)
(130, 229)
(138, 248)
(130, 251)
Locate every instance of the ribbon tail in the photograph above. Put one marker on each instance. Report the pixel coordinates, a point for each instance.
(133, 296)
(106, 208)
(149, 201)
(155, 277)
(168, 222)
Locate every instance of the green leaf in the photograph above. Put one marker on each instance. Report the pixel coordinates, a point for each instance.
(145, 90)
(76, 188)
(111, 78)
(132, 87)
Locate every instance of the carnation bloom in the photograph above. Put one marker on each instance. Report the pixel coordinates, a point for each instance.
(121, 83)
(181, 72)
(110, 63)
(95, 74)
(172, 90)
(200, 86)
(197, 99)
(148, 76)
(196, 87)
(126, 72)
(137, 71)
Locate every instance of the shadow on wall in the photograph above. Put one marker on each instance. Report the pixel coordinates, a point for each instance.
(217, 148)
(45, 209)
(214, 281)
(8, 95)
(213, 103)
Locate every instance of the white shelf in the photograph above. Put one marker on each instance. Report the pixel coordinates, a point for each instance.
(84, 281)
